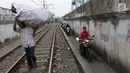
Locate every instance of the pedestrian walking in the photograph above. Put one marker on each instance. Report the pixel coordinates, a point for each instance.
(27, 41)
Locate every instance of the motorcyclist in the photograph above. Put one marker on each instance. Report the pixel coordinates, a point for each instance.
(68, 29)
(85, 43)
(83, 35)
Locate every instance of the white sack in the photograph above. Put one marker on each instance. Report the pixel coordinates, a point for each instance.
(33, 17)
(22, 7)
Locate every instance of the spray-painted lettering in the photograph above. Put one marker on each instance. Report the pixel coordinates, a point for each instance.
(128, 36)
(99, 26)
(104, 37)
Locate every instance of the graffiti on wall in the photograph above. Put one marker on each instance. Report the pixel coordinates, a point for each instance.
(6, 16)
(99, 26)
(128, 36)
(103, 36)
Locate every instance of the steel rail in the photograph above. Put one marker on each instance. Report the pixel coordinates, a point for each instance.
(52, 52)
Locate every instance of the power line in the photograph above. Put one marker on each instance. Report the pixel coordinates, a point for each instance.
(48, 5)
(44, 4)
(36, 3)
(40, 1)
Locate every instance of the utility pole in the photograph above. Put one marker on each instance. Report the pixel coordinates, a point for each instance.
(45, 5)
(83, 7)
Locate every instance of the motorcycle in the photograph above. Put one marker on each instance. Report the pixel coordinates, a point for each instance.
(68, 31)
(85, 48)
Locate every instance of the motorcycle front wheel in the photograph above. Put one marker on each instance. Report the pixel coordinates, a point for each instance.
(88, 54)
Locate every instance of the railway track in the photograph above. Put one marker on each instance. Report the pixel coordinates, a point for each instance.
(44, 53)
(4, 52)
(52, 53)
(9, 57)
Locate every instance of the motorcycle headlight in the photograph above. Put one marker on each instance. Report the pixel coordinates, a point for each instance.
(77, 39)
(68, 29)
(87, 41)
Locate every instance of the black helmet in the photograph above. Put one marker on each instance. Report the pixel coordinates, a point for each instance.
(13, 9)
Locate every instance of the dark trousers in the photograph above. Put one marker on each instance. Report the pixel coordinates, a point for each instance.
(31, 59)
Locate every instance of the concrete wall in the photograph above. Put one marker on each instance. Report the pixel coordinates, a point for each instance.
(113, 43)
(6, 27)
(6, 16)
(110, 27)
(96, 7)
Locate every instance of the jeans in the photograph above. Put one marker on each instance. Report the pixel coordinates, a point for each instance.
(31, 59)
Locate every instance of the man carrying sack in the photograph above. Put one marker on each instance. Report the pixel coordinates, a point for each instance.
(27, 40)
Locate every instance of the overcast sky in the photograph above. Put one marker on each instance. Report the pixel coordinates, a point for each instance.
(61, 7)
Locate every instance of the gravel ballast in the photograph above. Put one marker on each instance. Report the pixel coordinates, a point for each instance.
(65, 61)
